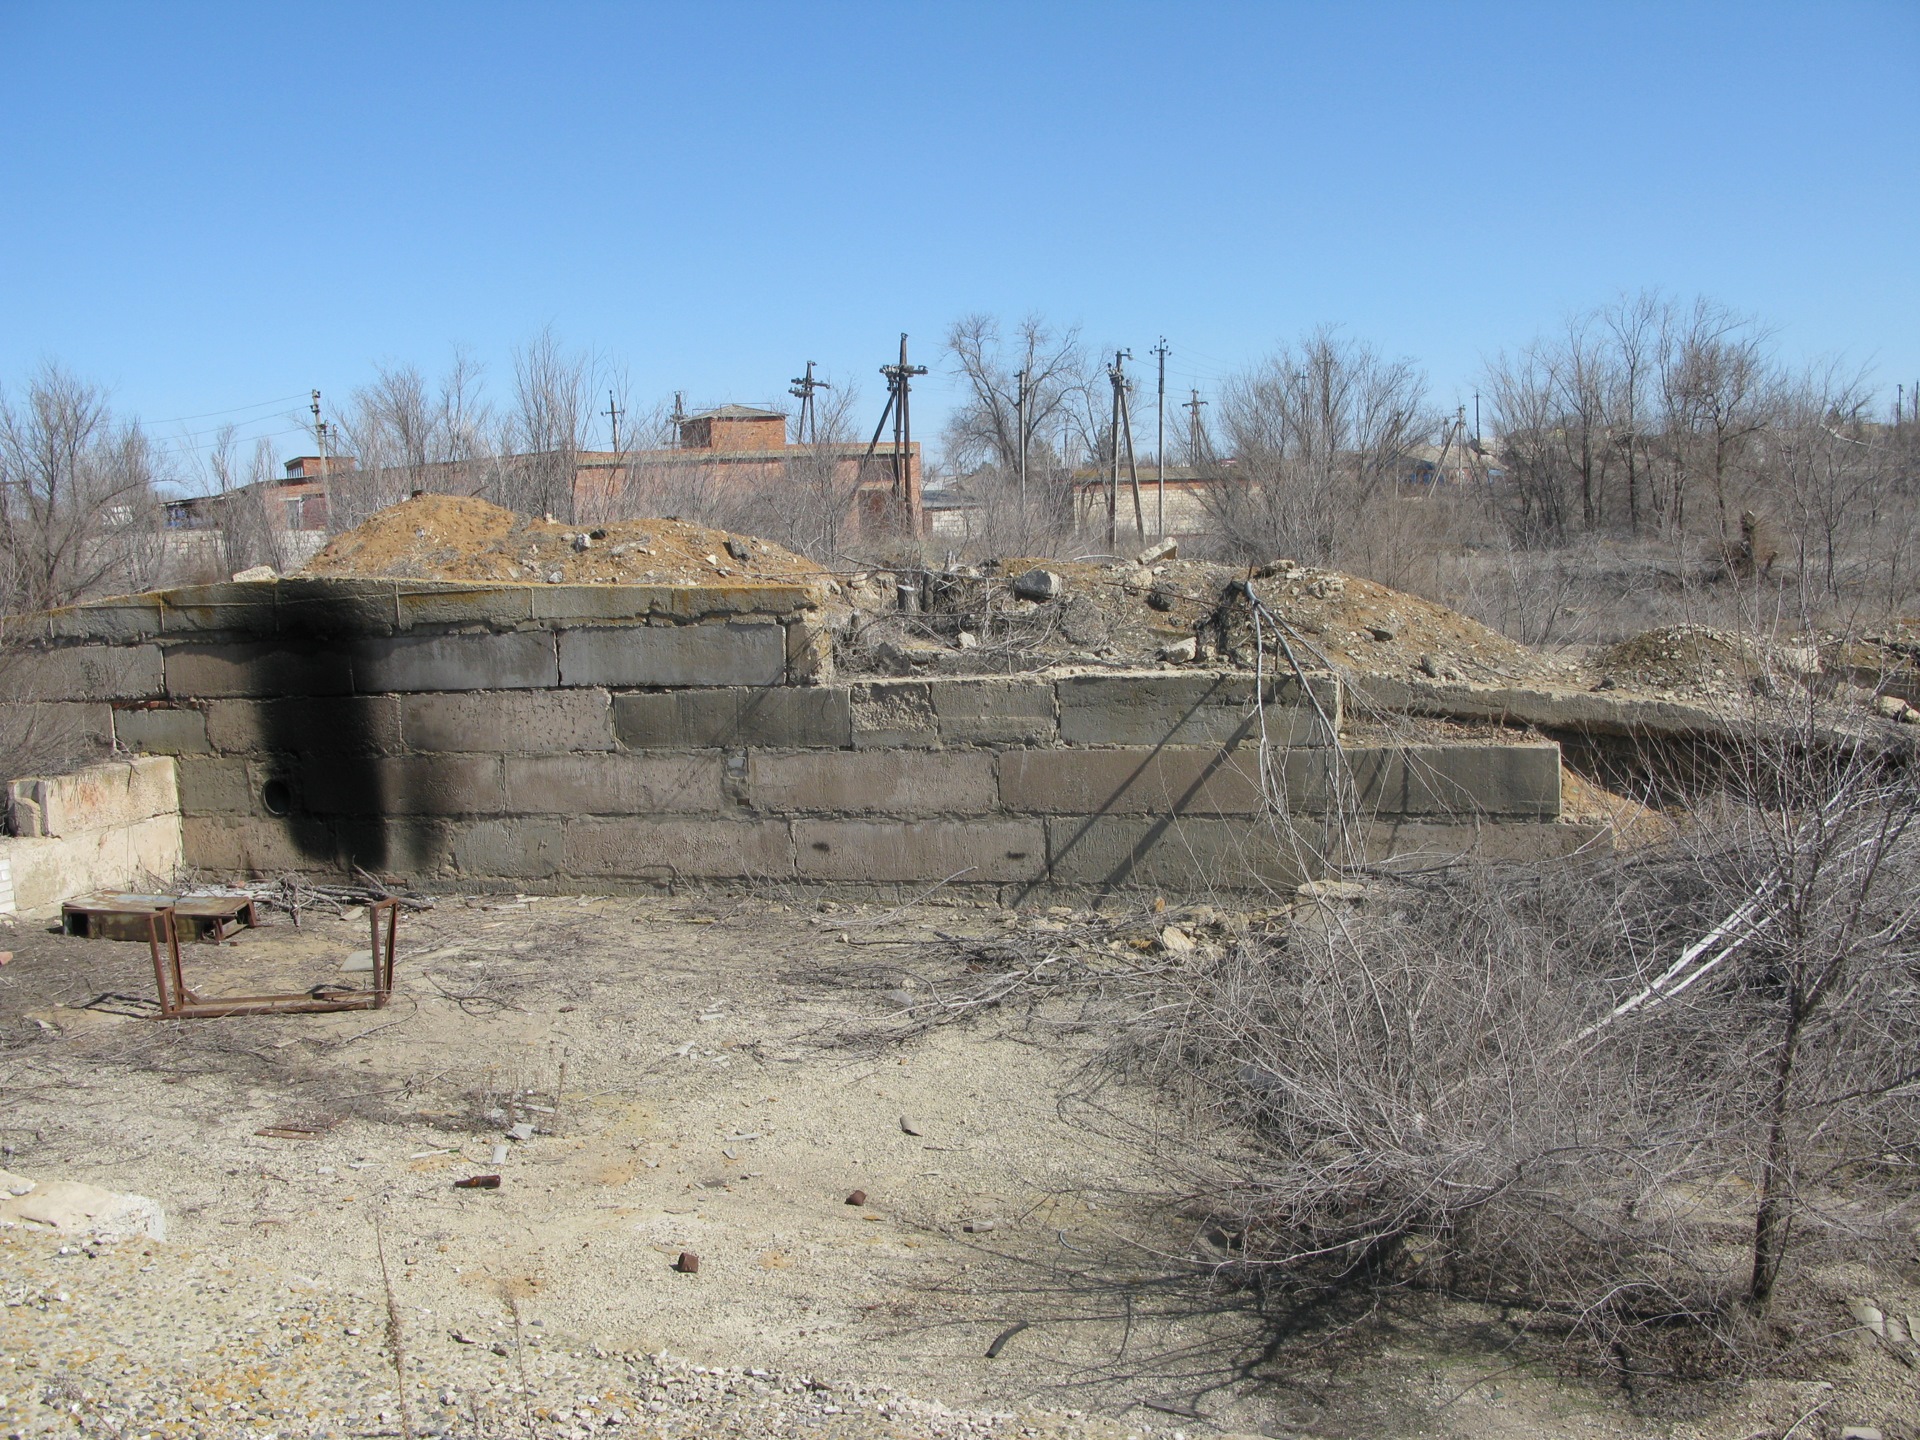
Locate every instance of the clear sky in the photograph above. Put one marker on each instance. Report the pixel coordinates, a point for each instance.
(215, 208)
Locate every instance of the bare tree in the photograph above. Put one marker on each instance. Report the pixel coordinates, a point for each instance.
(1322, 434)
(78, 514)
(547, 427)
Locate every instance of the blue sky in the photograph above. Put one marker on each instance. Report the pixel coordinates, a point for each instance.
(210, 208)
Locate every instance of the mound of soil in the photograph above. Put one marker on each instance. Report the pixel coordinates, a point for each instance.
(1691, 660)
(448, 537)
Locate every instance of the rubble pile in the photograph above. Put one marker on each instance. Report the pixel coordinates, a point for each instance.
(447, 537)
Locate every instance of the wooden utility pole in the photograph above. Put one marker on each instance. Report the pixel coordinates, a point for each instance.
(899, 382)
(802, 388)
(1020, 434)
(1160, 444)
(320, 440)
(1122, 426)
(613, 413)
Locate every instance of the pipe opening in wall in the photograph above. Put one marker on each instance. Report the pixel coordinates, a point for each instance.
(276, 797)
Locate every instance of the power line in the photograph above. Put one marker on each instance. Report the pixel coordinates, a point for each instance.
(235, 410)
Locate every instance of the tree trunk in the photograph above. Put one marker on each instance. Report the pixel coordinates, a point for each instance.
(1775, 1212)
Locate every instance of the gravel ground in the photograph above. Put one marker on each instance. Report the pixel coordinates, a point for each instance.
(683, 1067)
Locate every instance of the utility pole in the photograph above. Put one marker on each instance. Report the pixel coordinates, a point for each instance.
(899, 382)
(1192, 407)
(1160, 443)
(1020, 434)
(1122, 426)
(320, 439)
(614, 413)
(1476, 419)
(809, 423)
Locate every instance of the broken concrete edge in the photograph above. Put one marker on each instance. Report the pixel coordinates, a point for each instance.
(107, 826)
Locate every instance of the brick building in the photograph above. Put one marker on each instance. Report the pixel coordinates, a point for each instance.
(746, 447)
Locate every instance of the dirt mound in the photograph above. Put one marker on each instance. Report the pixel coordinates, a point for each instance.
(1692, 660)
(446, 537)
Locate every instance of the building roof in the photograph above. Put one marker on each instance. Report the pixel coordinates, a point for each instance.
(737, 412)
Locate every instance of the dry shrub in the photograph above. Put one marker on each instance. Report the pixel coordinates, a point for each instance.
(1431, 1087)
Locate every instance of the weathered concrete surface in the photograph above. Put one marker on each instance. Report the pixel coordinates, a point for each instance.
(660, 850)
(108, 826)
(267, 668)
(1174, 708)
(103, 796)
(86, 672)
(526, 720)
(908, 782)
(786, 715)
(1593, 711)
(523, 660)
(674, 655)
(161, 729)
(916, 850)
(612, 784)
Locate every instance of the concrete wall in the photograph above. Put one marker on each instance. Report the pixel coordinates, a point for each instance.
(604, 737)
(109, 826)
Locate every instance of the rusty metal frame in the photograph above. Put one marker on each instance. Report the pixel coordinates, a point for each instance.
(178, 1002)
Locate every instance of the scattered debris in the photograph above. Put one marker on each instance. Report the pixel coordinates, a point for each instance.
(73, 1207)
(858, 1197)
(688, 1263)
(1039, 584)
(908, 1127)
(478, 1182)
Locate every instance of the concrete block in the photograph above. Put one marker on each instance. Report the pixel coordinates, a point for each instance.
(161, 729)
(46, 872)
(973, 851)
(777, 715)
(331, 725)
(334, 608)
(890, 714)
(1179, 854)
(597, 604)
(518, 660)
(502, 606)
(747, 653)
(401, 785)
(109, 795)
(912, 782)
(119, 621)
(522, 848)
(809, 653)
(507, 720)
(205, 671)
(256, 845)
(1463, 780)
(642, 849)
(992, 711)
(83, 672)
(723, 599)
(385, 844)
(211, 786)
(612, 784)
(1581, 711)
(243, 610)
(1158, 707)
(1155, 781)
(54, 727)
